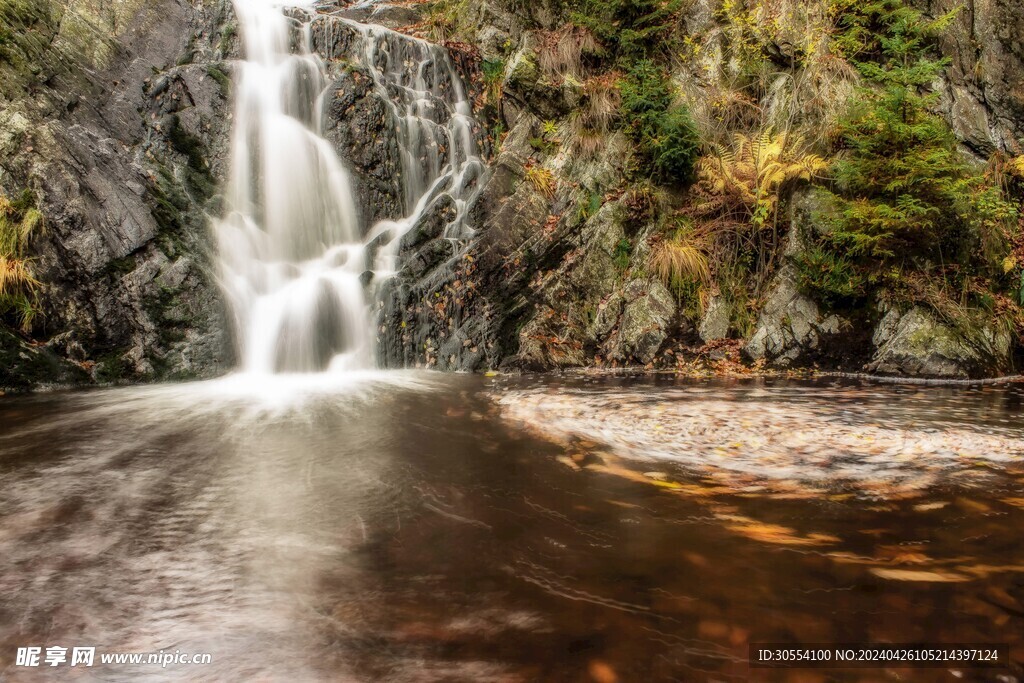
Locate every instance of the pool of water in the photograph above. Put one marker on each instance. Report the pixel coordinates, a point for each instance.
(425, 527)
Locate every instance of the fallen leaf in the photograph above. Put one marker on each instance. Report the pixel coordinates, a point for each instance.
(602, 672)
(915, 575)
(568, 462)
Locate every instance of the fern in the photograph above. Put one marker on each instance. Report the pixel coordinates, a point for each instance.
(749, 176)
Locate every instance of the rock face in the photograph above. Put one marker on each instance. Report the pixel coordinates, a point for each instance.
(122, 145)
(540, 287)
(359, 123)
(793, 331)
(916, 344)
(985, 81)
(24, 367)
(791, 328)
(123, 139)
(715, 322)
(647, 312)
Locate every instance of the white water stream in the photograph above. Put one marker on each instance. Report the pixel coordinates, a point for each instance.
(293, 249)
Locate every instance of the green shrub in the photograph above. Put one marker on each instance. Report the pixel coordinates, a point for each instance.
(631, 29)
(907, 194)
(832, 279)
(623, 252)
(493, 74)
(664, 132)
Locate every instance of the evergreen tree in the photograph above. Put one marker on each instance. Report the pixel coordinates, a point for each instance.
(908, 194)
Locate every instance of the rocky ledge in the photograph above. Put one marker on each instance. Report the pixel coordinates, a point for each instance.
(119, 134)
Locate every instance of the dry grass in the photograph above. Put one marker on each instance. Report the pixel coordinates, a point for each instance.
(680, 259)
(586, 142)
(18, 286)
(603, 101)
(561, 52)
(543, 180)
(593, 121)
(15, 274)
(16, 227)
(813, 98)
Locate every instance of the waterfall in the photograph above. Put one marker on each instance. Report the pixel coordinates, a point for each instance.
(434, 123)
(294, 258)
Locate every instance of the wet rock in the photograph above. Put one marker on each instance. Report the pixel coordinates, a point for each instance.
(332, 39)
(916, 344)
(541, 346)
(507, 173)
(392, 16)
(24, 367)
(360, 125)
(127, 143)
(432, 224)
(430, 256)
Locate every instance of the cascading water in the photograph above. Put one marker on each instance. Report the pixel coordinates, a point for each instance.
(294, 258)
(434, 124)
(290, 250)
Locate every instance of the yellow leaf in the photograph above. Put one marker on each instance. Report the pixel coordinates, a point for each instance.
(916, 575)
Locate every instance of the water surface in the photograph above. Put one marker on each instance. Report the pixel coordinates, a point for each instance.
(421, 527)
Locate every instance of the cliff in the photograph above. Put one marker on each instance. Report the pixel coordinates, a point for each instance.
(692, 185)
(676, 184)
(114, 124)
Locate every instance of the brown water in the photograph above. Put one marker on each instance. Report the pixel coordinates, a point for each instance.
(449, 528)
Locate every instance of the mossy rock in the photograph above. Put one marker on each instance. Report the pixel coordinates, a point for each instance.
(917, 344)
(24, 367)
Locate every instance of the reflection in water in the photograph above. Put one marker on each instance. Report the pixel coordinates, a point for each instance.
(406, 527)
